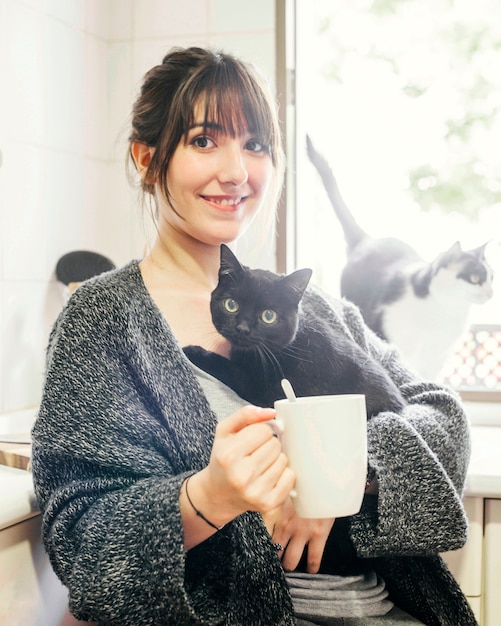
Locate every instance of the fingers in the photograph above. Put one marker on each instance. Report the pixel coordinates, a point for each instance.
(265, 454)
(315, 552)
(247, 431)
(248, 468)
(294, 551)
(295, 533)
(292, 554)
(245, 417)
(263, 477)
(272, 486)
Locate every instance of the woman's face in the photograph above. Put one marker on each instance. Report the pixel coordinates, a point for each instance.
(217, 183)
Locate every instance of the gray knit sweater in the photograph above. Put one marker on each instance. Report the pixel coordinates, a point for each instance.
(123, 421)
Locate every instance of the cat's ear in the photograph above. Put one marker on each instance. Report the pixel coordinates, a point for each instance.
(298, 280)
(479, 253)
(454, 251)
(448, 257)
(229, 262)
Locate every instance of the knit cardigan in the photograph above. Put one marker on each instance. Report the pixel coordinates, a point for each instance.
(123, 421)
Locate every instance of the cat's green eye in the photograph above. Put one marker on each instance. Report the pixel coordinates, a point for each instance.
(231, 305)
(269, 316)
(474, 279)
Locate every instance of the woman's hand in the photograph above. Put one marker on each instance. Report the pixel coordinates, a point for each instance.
(294, 533)
(247, 471)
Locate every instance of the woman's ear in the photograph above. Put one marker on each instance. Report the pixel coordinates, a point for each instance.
(142, 155)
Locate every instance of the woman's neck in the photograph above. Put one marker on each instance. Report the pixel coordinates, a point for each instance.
(180, 279)
(193, 264)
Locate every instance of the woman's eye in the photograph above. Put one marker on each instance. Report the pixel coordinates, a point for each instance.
(231, 305)
(269, 316)
(255, 146)
(203, 142)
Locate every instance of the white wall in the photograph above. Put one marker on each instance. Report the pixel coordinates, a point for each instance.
(69, 70)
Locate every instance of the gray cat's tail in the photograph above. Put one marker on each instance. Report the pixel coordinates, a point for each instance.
(353, 234)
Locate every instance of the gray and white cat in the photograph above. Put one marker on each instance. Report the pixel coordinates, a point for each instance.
(420, 307)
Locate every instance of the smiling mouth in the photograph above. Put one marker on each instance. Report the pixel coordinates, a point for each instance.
(224, 202)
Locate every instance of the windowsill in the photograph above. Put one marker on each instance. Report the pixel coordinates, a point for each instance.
(484, 411)
(481, 396)
(484, 471)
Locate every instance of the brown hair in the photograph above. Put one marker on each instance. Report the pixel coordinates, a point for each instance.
(231, 91)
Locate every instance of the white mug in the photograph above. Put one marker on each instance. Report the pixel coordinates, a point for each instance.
(325, 440)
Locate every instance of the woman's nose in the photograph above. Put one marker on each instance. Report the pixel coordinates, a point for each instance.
(233, 169)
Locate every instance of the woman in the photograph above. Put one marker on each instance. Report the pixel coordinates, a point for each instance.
(158, 486)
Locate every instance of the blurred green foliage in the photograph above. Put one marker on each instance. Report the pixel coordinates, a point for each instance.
(427, 44)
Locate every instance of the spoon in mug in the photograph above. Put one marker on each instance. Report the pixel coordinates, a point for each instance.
(276, 424)
(291, 397)
(288, 390)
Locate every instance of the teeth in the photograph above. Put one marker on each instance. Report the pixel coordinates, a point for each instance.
(225, 201)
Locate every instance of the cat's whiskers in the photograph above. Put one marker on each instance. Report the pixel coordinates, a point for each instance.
(267, 355)
(290, 350)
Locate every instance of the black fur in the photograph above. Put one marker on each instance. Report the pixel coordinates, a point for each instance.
(317, 361)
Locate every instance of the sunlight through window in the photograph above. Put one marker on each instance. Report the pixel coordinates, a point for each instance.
(404, 100)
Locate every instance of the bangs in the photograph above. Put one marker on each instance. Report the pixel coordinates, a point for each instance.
(231, 100)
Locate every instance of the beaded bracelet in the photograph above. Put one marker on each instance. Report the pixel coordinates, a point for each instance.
(199, 513)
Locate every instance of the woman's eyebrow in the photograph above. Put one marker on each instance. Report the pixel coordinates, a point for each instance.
(218, 128)
(209, 125)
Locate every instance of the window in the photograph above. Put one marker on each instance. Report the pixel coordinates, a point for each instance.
(403, 97)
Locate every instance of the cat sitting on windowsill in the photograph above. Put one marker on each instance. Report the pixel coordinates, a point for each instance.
(422, 308)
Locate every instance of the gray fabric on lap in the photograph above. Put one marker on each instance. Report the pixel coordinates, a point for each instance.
(321, 595)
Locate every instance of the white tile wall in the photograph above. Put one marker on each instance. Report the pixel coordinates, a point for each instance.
(69, 70)
(153, 19)
(252, 16)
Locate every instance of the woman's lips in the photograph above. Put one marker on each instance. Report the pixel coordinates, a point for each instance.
(224, 203)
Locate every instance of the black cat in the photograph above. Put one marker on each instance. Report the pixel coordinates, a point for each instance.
(420, 307)
(258, 312)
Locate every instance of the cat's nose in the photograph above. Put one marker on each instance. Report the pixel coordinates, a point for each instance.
(243, 328)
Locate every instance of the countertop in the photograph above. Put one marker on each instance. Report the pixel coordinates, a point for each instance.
(15, 454)
(484, 472)
(18, 502)
(15, 430)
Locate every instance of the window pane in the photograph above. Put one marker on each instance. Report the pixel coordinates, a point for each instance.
(404, 100)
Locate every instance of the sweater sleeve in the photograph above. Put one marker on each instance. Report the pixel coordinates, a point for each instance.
(105, 480)
(420, 458)
(107, 469)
